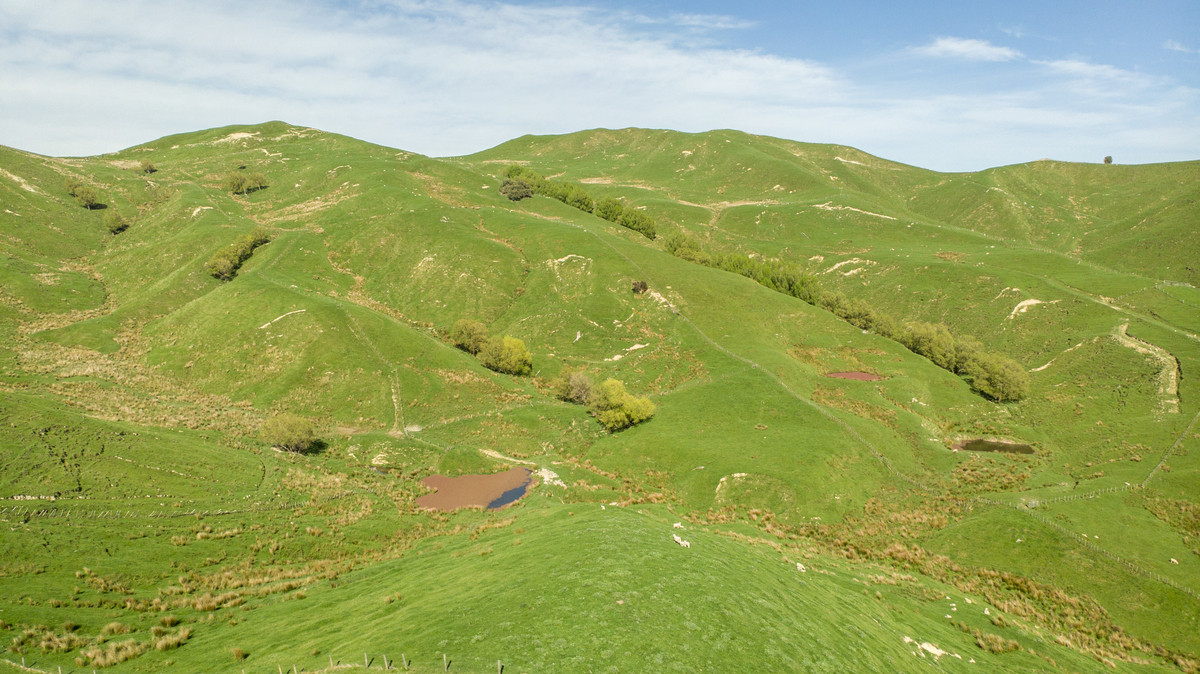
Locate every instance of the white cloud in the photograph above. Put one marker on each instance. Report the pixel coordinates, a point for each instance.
(1175, 45)
(458, 76)
(969, 49)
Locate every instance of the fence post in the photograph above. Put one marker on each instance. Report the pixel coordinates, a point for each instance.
(445, 663)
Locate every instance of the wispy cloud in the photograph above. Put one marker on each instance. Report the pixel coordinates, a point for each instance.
(1175, 45)
(456, 76)
(969, 49)
(711, 21)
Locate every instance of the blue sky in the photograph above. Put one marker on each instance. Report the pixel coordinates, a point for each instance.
(950, 86)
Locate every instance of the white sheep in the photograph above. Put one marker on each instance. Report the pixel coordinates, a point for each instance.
(685, 544)
(1174, 561)
(678, 525)
(801, 568)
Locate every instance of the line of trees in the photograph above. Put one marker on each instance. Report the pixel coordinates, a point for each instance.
(225, 263)
(520, 182)
(609, 402)
(994, 375)
(506, 354)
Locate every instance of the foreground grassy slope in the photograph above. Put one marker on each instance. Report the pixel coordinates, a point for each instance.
(342, 316)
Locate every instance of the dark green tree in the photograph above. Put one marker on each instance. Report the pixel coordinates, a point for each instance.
(515, 190)
(608, 208)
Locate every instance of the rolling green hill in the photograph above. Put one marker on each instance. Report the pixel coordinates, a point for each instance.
(149, 527)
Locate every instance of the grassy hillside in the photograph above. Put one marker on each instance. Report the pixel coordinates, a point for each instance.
(138, 493)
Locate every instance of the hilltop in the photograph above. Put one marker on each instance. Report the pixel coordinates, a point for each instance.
(834, 523)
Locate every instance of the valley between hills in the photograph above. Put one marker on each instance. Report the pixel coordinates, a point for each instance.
(869, 417)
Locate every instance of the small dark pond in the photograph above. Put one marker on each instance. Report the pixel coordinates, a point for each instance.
(510, 495)
(981, 445)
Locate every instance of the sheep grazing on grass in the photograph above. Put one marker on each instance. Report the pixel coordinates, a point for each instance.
(801, 568)
(681, 541)
(678, 525)
(1174, 561)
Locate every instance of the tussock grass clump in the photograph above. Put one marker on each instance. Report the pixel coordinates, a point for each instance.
(114, 654)
(47, 640)
(238, 654)
(168, 642)
(115, 628)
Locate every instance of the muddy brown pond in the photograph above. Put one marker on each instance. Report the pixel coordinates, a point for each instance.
(982, 445)
(482, 491)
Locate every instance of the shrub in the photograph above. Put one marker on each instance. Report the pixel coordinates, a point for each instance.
(506, 354)
(515, 190)
(289, 432)
(116, 223)
(640, 287)
(469, 335)
(608, 208)
(238, 654)
(87, 197)
(72, 185)
(616, 409)
(1108, 160)
(148, 166)
(573, 386)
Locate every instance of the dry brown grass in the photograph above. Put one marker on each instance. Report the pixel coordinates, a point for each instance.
(114, 654)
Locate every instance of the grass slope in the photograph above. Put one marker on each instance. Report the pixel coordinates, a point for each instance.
(134, 384)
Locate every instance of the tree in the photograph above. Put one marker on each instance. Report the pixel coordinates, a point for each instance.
(577, 197)
(245, 183)
(999, 378)
(469, 335)
(608, 208)
(615, 408)
(116, 223)
(1108, 159)
(87, 197)
(507, 355)
(573, 385)
(289, 432)
(640, 287)
(236, 182)
(638, 222)
(515, 190)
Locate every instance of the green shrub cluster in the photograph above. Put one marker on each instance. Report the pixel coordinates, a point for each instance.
(245, 183)
(615, 408)
(225, 262)
(995, 376)
(573, 195)
(505, 354)
(289, 432)
(609, 403)
(84, 194)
